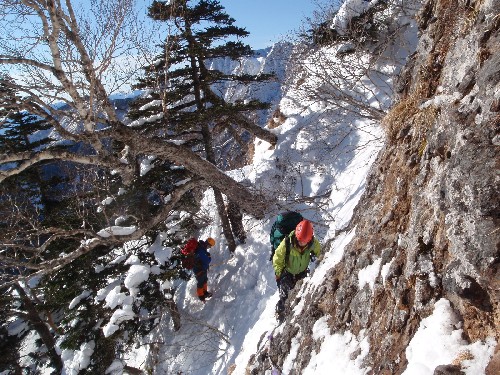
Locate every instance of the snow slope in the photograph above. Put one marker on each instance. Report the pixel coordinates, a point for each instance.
(316, 168)
(242, 309)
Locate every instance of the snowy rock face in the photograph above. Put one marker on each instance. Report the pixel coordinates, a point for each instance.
(429, 218)
(272, 60)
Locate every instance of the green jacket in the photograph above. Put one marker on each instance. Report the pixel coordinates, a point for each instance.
(297, 262)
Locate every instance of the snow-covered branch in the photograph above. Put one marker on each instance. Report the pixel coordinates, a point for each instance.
(115, 237)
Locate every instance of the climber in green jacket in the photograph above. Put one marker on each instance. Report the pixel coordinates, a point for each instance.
(291, 259)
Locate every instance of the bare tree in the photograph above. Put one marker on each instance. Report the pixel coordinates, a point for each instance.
(350, 62)
(53, 58)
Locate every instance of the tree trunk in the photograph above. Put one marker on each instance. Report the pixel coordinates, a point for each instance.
(236, 220)
(249, 202)
(132, 370)
(196, 66)
(174, 313)
(40, 327)
(256, 130)
(219, 199)
(226, 226)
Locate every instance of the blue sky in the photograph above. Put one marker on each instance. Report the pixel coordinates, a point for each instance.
(268, 20)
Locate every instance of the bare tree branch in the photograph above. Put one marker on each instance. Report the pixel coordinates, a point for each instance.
(29, 159)
(10, 60)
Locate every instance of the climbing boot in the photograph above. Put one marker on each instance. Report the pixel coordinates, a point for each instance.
(280, 316)
(280, 312)
(207, 295)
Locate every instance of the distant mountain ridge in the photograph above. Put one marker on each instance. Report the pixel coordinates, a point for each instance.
(272, 60)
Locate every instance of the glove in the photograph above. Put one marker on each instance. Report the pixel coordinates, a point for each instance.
(278, 278)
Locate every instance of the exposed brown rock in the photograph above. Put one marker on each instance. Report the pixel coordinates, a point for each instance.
(432, 201)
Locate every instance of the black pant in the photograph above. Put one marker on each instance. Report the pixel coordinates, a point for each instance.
(286, 283)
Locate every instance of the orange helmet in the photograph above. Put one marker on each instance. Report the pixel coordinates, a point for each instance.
(304, 231)
(211, 241)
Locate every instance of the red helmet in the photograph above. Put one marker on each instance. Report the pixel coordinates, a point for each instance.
(304, 231)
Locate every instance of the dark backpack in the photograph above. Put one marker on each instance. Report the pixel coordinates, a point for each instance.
(284, 224)
(187, 253)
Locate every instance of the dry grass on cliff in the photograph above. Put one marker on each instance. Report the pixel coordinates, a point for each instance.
(462, 356)
(470, 15)
(408, 112)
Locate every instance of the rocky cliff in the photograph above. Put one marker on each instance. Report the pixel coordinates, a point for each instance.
(430, 212)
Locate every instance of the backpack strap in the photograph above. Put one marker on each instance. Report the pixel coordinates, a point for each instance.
(288, 245)
(287, 250)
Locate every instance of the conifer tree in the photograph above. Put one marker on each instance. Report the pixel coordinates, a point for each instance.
(180, 83)
(9, 341)
(21, 212)
(181, 100)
